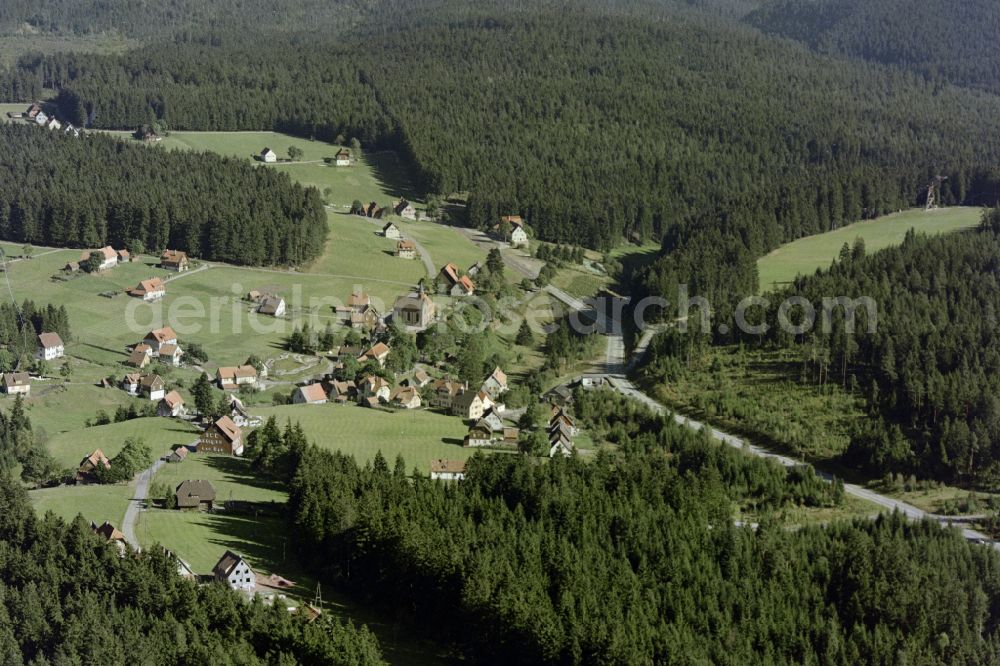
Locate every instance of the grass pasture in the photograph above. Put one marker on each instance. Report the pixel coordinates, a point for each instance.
(805, 255)
(95, 503)
(161, 434)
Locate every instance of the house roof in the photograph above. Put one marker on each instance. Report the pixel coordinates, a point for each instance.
(49, 340)
(270, 304)
(343, 152)
(402, 205)
(389, 225)
(266, 151)
(173, 399)
(421, 376)
(152, 284)
(95, 460)
(499, 375)
(161, 335)
(139, 356)
(358, 299)
(378, 350)
(406, 245)
(173, 256)
(16, 378)
(453, 466)
(229, 430)
(512, 219)
(150, 381)
(107, 252)
(313, 392)
(193, 492)
(467, 284)
(227, 563)
(450, 271)
(168, 350)
(133, 378)
(416, 299)
(450, 386)
(240, 372)
(372, 401)
(181, 452)
(108, 531)
(374, 382)
(404, 394)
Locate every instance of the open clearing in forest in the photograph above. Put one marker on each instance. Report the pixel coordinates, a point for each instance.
(805, 255)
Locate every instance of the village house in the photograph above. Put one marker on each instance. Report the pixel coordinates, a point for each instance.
(343, 157)
(171, 355)
(159, 337)
(390, 230)
(445, 392)
(172, 405)
(33, 110)
(313, 394)
(373, 210)
(50, 346)
(471, 405)
(141, 356)
(194, 494)
(234, 571)
(149, 290)
(149, 135)
(560, 445)
(516, 235)
(420, 378)
(561, 432)
(496, 384)
(17, 383)
(273, 306)
(373, 387)
(41, 119)
(131, 381)
(492, 419)
(174, 260)
(152, 387)
(342, 391)
(232, 378)
(269, 156)
(178, 455)
(113, 536)
(454, 284)
(405, 397)
(345, 352)
(238, 411)
(90, 464)
(509, 437)
(406, 249)
(479, 435)
(447, 470)
(124, 256)
(53, 124)
(223, 436)
(378, 352)
(405, 210)
(560, 417)
(109, 258)
(415, 311)
(72, 267)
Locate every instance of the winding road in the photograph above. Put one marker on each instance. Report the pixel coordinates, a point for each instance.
(138, 503)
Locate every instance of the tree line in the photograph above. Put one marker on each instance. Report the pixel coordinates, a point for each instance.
(97, 191)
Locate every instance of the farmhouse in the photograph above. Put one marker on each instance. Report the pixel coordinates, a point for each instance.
(234, 571)
(379, 352)
(108, 531)
(405, 210)
(447, 470)
(309, 395)
(16, 382)
(358, 301)
(445, 392)
(231, 378)
(405, 397)
(390, 230)
(511, 228)
(492, 419)
(342, 392)
(406, 249)
(149, 290)
(91, 464)
(152, 386)
(174, 260)
(453, 284)
(172, 405)
(223, 436)
(160, 337)
(560, 445)
(273, 306)
(124, 256)
(179, 454)
(140, 356)
(479, 435)
(33, 110)
(471, 406)
(149, 135)
(268, 155)
(373, 387)
(53, 124)
(109, 258)
(373, 210)
(171, 354)
(343, 157)
(415, 311)
(420, 378)
(130, 383)
(50, 346)
(194, 494)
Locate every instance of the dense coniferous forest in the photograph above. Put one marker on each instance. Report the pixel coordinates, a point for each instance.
(633, 557)
(932, 366)
(69, 598)
(88, 192)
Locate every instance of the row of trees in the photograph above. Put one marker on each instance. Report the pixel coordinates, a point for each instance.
(99, 191)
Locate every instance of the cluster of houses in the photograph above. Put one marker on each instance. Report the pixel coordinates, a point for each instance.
(511, 230)
(109, 257)
(454, 283)
(402, 208)
(160, 344)
(562, 430)
(50, 348)
(36, 114)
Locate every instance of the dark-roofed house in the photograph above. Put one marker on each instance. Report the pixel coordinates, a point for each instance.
(313, 394)
(50, 346)
(471, 405)
(223, 436)
(405, 210)
(91, 464)
(496, 383)
(179, 454)
(152, 386)
(194, 494)
(268, 155)
(16, 382)
(174, 260)
(140, 356)
(234, 571)
(479, 435)
(414, 311)
(390, 230)
(112, 535)
(273, 306)
(343, 157)
(447, 470)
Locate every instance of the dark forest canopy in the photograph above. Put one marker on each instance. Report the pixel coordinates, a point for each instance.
(67, 597)
(633, 558)
(97, 190)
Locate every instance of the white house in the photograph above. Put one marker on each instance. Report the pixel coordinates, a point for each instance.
(390, 230)
(269, 156)
(518, 236)
(234, 571)
(53, 124)
(109, 258)
(405, 210)
(343, 157)
(447, 470)
(152, 289)
(41, 118)
(158, 338)
(50, 346)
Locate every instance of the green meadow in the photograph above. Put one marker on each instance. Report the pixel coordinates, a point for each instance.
(805, 255)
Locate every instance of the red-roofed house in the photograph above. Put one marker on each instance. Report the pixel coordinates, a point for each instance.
(313, 394)
(223, 436)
